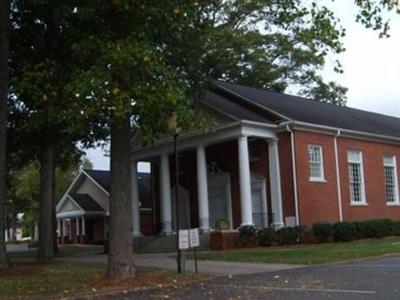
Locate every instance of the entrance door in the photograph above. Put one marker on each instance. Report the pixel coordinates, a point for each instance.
(259, 200)
(257, 205)
(219, 198)
(184, 208)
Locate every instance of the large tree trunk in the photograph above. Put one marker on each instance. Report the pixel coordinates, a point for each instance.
(46, 245)
(120, 264)
(4, 88)
(53, 212)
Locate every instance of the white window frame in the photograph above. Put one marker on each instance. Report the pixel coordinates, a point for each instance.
(321, 165)
(396, 201)
(363, 201)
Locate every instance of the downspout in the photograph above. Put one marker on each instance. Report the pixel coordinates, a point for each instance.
(294, 171)
(338, 176)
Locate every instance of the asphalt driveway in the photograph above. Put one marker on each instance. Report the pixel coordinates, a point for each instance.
(369, 279)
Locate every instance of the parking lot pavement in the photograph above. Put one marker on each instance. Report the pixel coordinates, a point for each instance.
(369, 279)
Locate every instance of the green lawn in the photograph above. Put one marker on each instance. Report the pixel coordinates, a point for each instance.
(28, 279)
(309, 254)
(32, 279)
(65, 251)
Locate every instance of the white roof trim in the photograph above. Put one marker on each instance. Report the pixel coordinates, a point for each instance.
(71, 199)
(61, 202)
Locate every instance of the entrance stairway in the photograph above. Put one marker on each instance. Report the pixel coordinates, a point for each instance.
(160, 244)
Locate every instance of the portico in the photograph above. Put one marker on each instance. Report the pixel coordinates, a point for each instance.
(217, 176)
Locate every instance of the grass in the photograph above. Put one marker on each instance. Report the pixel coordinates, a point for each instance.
(28, 279)
(65, 251)
(309, 254)
(61, 279)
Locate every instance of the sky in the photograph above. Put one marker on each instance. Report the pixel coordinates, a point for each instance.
(371, 69)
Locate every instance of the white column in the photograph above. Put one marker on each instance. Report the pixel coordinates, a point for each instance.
(64, 227)
(77, 226)
(58, 228)
(135, 201)
(275, 183)
(202, 189)
(245, 182)
(83, 226)
(165, 190)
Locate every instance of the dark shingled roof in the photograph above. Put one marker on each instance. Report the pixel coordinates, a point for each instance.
(224, 105)
(310, 111)
(144, 179)
(101, 177)
(86, 202)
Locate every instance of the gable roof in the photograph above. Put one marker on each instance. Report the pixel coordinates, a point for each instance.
(101, 177)
(284, 107)
(86, 202)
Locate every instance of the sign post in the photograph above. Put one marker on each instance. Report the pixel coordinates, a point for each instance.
(194, 243)
(190, 239)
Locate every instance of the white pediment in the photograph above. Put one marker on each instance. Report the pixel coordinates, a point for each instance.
(69, 206)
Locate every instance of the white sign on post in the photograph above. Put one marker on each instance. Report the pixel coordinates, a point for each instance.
(183, 239)
(194, 237)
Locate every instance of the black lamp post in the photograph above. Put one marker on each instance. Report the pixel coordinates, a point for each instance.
(173, 126)
(179, 256)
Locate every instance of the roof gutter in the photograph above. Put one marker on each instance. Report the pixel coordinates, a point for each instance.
(339, 192)
(343, 131)
(294, 172)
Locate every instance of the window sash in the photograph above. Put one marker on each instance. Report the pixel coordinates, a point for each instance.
(391, 183)
(315, 162)
(356, 177)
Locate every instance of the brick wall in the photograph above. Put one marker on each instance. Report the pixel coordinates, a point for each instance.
(319, 201)
(373, 153)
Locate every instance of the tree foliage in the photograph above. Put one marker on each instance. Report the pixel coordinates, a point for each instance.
(4, 90)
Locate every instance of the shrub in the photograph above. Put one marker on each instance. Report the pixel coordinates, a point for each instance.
(301, 233)
(344, 231)
(222, 224)
(378, 228)
(308, 236)
(322, 231)
(396, 228)
(266, 236)
(287, 236)
(247, 234)
(360, 232)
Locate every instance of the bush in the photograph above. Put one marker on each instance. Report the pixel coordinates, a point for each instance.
(266, 236)
(396, 228)
(222, 224)
(378, 228)
(247, 233)
(287, 236)
(322, 231)
(344, 231)
(359, 230)
(308, 236)
(301, 233)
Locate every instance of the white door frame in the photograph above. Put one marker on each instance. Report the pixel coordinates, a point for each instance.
(222, 178)
(259, 181)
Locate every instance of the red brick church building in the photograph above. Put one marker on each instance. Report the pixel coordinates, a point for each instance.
(275, 160)
(269, 159)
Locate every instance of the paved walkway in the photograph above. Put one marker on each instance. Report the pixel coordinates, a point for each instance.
(167, 261)
(370, 279)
